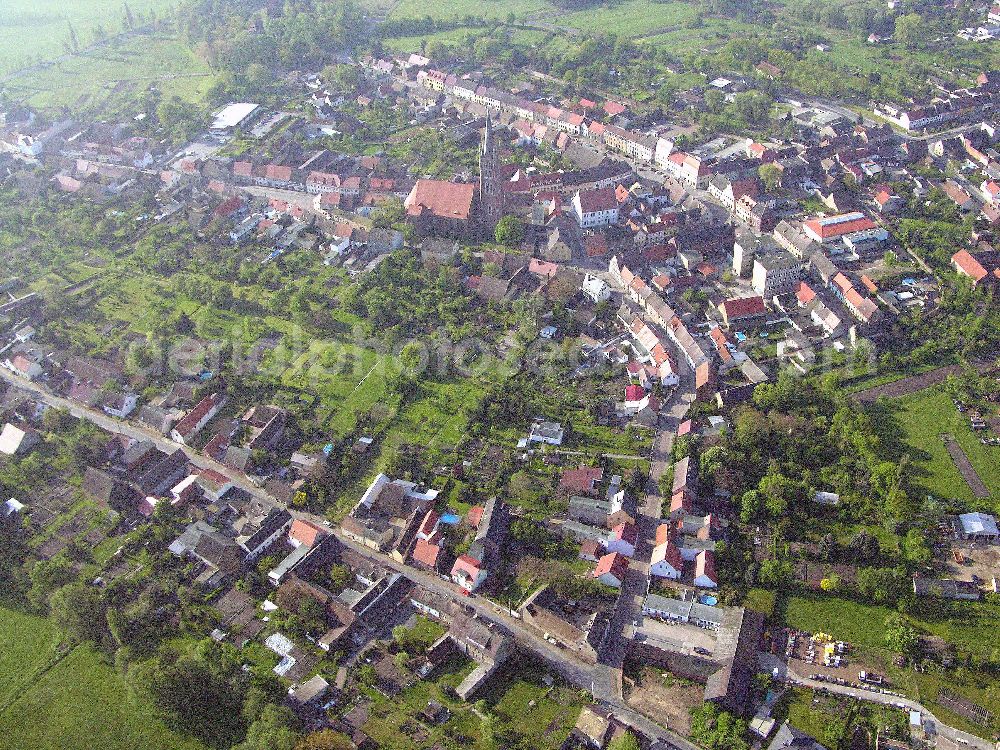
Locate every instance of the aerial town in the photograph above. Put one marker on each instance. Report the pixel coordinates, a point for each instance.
(394, 388)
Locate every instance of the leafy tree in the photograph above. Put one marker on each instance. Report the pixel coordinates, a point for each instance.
(881, 585)
(916, 549)
(46, 576)
(340, 576)
(388, 214)
(200, 694)
(717, 730)
(910, 30)
(776, 573)
(900, 635)
(79, 612)
(770, 175)
(271, 730)
(510, 231)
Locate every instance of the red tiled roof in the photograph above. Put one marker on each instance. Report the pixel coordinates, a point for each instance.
(744, 307)
(466, 564)
(805, 293)
(228, 206)
(474, 516)
(278, 172)
(613, 563)
(837, 226)
(626, 532)
(954, 191)
(614, 108)
(968, 265)
(542, 267)
(705, 565)
(600, 199)
(326, 179)
(448, 200)
(194, 416)
(428, 524)
(305, 532)
(670, 552)
(582, 479)
(426, 553)
(634, 393)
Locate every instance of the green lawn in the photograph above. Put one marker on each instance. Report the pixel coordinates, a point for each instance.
(922, 418)
(32, 30)
(128, 65)
(81, 704)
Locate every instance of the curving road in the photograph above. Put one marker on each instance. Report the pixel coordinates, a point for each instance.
(602, 680)
(933, 725)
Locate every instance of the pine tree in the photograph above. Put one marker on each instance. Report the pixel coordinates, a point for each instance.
(127, 18)
(74, 42)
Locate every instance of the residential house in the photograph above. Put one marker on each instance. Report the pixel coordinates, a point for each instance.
(775, 274)
(195, 420)
(742, 308)
(611, 569)
(704, 570)
(595, 208)
(623, 539)
(17, 441)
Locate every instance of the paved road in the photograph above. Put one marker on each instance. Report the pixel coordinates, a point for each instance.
(634, 588)
(790, 674)
(135, 431)
(600, 680)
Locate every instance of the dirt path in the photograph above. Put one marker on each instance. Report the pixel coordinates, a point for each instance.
(915, 383)
(966, 469)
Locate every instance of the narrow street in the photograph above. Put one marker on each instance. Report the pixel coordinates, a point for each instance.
(603, 681)
(786, 672)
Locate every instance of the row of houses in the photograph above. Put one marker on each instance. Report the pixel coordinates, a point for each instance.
(662, 315)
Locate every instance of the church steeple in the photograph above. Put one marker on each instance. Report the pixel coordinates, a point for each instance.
(490, 189)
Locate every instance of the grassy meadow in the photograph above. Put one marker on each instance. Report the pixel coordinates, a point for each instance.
(74, 703)
(35, 30)
(124, 66)
(922, 417)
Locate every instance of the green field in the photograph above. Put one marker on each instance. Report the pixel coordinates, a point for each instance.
(80, 703)
(125, 66)
(448, 9)
(27, 644)
(970, 626)
(922, 417)
(631, 18)
(33, 30)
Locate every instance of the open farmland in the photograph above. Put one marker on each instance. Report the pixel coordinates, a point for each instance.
(27, 644)
(130, 64)
(451, 9)
(34, 30)
(85, 704)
